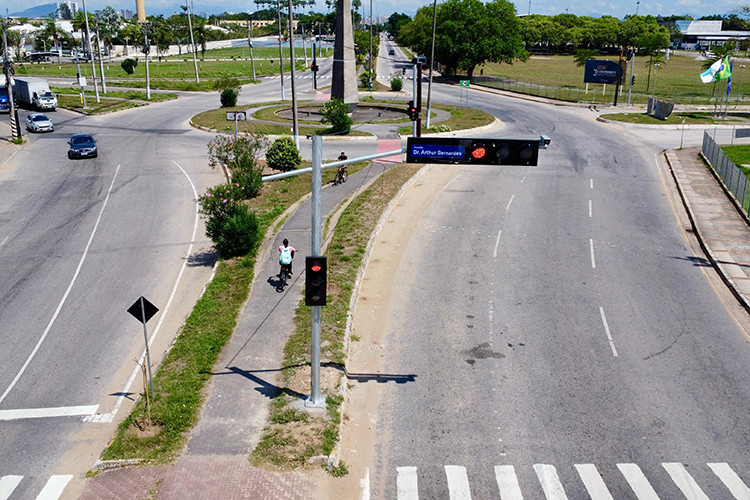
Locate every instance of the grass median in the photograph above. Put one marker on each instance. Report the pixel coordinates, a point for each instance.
(291, 437)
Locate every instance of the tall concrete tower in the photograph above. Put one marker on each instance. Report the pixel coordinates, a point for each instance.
(140, 9)
(344, 85)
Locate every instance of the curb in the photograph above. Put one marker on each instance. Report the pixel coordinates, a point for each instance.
(666, 127)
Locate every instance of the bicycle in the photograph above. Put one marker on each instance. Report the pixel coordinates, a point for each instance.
(283, 277)
(341, 176)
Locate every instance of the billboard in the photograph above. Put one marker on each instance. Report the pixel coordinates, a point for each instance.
(602, 71)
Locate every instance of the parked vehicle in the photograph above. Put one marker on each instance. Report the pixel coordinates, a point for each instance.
(39, 122)
(34, 92)
(4, 102)
(82, 146)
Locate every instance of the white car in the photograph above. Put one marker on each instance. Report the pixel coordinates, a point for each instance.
(39, 122)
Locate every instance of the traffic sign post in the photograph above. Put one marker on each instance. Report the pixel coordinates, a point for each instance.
(236, 116)
(143, 310)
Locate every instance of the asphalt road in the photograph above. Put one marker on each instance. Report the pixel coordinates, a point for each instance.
(81, 241)
(559, 337)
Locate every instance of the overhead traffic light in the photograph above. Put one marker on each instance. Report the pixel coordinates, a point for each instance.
(478, 151)
(315, 280)
(413, 111)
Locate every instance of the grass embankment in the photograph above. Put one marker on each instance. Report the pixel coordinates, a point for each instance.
(692, 118)
(558, 76)
(181, 378)
(113, 100)
(292, 436)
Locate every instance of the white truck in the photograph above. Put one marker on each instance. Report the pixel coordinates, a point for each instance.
(34, 92)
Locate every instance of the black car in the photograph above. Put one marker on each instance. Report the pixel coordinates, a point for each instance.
(82, 146)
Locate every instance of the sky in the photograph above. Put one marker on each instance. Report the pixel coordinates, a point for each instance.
(384, 8)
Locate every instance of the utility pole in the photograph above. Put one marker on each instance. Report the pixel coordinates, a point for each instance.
(250, 44)
(295, 125)
(91, 52)
(146, 51)
(432, 60)
(15, 128)
(101, 64)
(281, 53)
(80, 83)
(192, 44)
(370, 79)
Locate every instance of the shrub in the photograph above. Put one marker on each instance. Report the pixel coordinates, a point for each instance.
(234, 235)
(396, 83)
(235, 154)
(283, 155)
(364, 79)
(335, 112)
(249, 180)
(228, 98)
(129, 65)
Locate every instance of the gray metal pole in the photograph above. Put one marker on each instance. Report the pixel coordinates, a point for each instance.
(632, 63)
(83, 92)
(148, 356)
(250, 44)
(432, 59)
(91, 52)
(295, 123)
(101, 63)
(192, 44)
(316, 399)
(414, 94)
(370, 79)
(281, 53)
(148, 51)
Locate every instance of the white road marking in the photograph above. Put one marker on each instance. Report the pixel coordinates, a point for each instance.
(497, 242)
(109, 417)
(684, 481)
(458, 482)
(511, 201)
(592, 184)
(523, 179)
(550, 482)
(365, 483)
(609, 334)
(7, 485)
(591, 247)
(591, 212)
(638, 482)
(65, 295)
(60, 411)
(6, 239)
(507, 483)
(731, 480)
(54, 487)
(593, 482)
(406, 483)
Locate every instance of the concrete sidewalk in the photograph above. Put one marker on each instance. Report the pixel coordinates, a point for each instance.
(721, 226)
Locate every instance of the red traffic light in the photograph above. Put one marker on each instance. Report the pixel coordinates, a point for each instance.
(315, 268)
(478, 152)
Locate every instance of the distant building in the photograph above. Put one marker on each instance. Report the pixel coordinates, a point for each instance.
(73, 6)
(126, 14)
(703, 35)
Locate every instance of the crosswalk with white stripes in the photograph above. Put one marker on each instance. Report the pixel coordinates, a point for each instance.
(52, 489)
(407, 484)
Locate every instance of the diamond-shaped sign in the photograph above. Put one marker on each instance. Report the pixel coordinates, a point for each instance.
(143, 310)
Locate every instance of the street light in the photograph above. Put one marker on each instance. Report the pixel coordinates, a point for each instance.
(656, 66)
(739, 87)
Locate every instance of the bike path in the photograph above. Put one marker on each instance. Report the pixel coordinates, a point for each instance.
(215, 463)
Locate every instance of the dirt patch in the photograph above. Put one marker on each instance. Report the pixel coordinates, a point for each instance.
(144, 428)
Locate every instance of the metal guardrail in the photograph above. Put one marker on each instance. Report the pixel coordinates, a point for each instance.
(734, 178)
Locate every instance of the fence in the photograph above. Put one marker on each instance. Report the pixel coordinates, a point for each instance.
(734, 178)
(594, 95)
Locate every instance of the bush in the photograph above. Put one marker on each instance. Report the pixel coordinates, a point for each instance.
(129, 65)
(234, 235)
(396, 83)
(335, 112)
(228, 98)
(364, 79)
(283, 155)
(250, 181)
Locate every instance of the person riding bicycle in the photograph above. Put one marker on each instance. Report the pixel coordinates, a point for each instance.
(286, 254)
(341, 174)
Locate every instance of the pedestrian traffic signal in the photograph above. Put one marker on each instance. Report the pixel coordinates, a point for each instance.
(315, 281)
(477, 151)
(413, 111)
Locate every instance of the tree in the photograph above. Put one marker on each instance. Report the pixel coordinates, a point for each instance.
(64, 11)
(238, 158)
(335, 112)
(652, 45)
(469, 33)
(283, 155)
(108, 21)
(583, 55)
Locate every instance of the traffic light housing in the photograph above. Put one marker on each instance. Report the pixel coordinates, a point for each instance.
(316, 269)
(475, 151)
(413, 111)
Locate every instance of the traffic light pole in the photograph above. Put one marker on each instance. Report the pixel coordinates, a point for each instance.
(315, 400)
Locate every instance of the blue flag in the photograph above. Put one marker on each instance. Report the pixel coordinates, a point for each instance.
(729, 81)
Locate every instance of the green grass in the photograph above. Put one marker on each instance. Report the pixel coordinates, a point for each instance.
(558, 76)
(119, 94)
(461, 119)
(259, 53)
(75, 103)
(694, 118)
(739, 155)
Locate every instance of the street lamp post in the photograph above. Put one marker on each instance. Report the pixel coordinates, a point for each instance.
(91, 52)
(192, 44)
(281, 53)
(432, 59)
(739, 86)
(656, 66)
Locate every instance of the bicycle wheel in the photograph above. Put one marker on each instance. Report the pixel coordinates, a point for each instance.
(344, 176)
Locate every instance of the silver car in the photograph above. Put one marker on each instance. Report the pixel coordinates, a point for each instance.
(39, 122)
